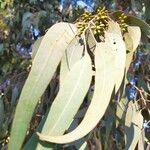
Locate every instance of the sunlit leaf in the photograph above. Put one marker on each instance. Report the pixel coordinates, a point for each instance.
(134, 129)
(120, 110)
(72, 55)
(104, 63)
(129, 114)
(83, 146)
(91, 41)
(48, 56)
(114, 37)
(141, 142)
(69, 98)
(132, 40)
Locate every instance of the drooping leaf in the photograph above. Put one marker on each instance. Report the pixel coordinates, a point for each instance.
(129, 114)
(120, 110)
(135, 34)
(132, 40)
(69, 98)
(141, 142)
(114, 37)
(91, 41)
(72, 55)
(48, 56)
(104, 63)
(134, 129)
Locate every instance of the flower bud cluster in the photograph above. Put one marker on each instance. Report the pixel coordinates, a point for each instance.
(122, 22)
(98, 22)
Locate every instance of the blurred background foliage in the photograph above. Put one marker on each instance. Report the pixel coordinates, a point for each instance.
(22, 22)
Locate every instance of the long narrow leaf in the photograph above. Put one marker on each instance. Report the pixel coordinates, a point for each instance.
(72, 55)
(69, 98)
(44, 65)
(132, 40)
(114, 37)
(104, 62)
(133, 126)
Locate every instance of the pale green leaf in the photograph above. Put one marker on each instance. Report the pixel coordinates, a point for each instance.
(132, 40)
(69, 98)
(83, 146)
(135, 34)
(129, 114)
(134, 130)
(72, 54)
(44, 65)
(120, 110)
(91, 41)
(141, 142)
(104, 63)
(114, 37)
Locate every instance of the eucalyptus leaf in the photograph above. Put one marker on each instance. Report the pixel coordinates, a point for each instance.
(44, 65)
(72, 55)
(141, 142)
(129, 114)
(114, 37)
(104, 63)
(134, 129)
(132, 40)
(120, 110)
(91, 41)
(69, 98)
